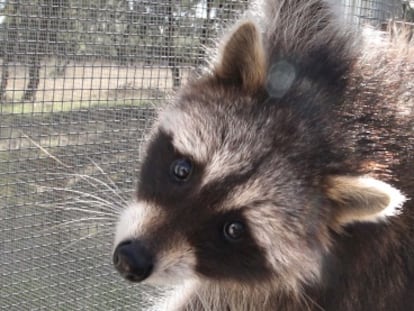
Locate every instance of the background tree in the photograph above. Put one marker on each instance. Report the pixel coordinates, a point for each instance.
(408, 10)
(10, 42)
(32, 31)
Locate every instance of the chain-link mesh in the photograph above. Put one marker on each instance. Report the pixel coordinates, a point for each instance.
(80, 83)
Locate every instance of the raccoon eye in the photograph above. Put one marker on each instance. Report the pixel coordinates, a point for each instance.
(181, 169)
(234, 231)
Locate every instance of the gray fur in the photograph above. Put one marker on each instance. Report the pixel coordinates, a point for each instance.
(308, 141)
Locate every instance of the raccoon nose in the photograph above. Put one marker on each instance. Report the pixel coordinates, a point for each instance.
(133, 261)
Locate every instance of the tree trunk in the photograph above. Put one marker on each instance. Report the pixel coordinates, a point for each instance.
(34, 78)
(169, 45)
(4, 77)
(205, 35)
(11, 46)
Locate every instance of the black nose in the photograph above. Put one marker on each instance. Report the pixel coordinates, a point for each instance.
(133, 261)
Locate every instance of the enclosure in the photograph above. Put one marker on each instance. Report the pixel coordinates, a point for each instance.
(80, 85)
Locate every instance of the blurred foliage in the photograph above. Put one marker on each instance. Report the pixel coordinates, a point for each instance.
(124, 30)
(172, 33)
(168, 33)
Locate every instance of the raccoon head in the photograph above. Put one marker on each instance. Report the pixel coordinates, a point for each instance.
(241, 185)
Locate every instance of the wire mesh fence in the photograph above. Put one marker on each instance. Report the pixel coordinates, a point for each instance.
(80, 85)
(374, 12)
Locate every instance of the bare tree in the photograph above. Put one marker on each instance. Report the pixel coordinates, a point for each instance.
(169, 46)
(31, 32)
(10, 44)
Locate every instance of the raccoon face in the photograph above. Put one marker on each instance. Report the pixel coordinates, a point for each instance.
(237, 187)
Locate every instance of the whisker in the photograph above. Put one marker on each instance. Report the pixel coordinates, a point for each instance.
(79, 221)
(86, 194)
(85, 177)
(88, 179)
(107, 207)
(43, 149)
(313, 302)
(66, 207)
(80, 239)
(113, 210)
(110, 181)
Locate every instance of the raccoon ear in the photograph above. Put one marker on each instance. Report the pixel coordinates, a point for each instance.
(363, 199)
(242, 59)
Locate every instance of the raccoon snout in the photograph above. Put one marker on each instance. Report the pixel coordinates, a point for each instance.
(133, 260)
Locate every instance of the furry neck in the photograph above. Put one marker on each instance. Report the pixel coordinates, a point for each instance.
(227, 297)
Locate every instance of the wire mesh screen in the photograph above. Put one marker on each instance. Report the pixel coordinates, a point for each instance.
(374, 12)
(80, 84)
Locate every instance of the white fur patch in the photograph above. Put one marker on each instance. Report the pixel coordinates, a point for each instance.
(222, 164)
(132, 221)
(174, 265)
(185, 133)
(396, 198)
(175, 262)
(177, 298)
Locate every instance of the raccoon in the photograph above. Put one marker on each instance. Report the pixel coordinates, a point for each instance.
(281, 179)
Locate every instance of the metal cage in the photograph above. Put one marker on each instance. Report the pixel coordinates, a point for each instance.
(80, 83)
